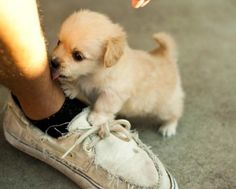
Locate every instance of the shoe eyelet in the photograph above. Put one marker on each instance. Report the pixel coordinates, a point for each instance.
(87, 149)
(42, 139)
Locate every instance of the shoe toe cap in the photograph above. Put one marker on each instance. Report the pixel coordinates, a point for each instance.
(127, 161)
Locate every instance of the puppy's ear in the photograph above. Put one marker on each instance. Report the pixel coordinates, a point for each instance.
(114, 49)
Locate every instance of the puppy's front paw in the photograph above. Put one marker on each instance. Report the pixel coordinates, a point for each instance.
(69, 91)
(95, 118)
(168, 130)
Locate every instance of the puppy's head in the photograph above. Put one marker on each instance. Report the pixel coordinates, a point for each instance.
(88, 42)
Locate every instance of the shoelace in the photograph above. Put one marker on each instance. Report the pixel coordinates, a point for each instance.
(119, 128)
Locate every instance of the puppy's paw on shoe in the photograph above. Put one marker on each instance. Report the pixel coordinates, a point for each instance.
(168, 130)
(95, 118)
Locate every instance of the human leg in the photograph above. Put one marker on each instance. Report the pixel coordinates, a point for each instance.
(23, 60)
(24, 69)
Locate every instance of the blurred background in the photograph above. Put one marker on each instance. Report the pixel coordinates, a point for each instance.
(203, 153)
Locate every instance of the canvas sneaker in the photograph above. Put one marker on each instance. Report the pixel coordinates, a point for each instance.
(105, 157)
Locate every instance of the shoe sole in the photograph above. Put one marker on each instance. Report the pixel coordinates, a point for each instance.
(173, 182)
(78, 177)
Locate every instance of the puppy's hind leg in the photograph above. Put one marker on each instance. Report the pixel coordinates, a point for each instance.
(168, 129)
(171, 113)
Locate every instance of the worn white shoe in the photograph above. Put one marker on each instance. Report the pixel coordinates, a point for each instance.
(103, 157)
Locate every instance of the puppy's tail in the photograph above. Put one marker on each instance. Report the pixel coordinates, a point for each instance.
(166, 48)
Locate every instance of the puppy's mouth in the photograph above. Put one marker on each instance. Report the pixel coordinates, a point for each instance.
(55, 73)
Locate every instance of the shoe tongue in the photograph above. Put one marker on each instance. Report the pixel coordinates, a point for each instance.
(80, 121)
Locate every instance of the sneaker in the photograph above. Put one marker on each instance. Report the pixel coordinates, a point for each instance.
(105, 157)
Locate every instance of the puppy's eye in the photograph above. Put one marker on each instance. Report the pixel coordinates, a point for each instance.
(58, 42)
(77, 56)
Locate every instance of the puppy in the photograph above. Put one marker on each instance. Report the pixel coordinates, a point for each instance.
(94, 63)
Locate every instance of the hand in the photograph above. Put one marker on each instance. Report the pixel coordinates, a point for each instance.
(139, 3)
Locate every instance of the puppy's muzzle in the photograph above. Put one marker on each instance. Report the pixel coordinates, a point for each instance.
(55, 65)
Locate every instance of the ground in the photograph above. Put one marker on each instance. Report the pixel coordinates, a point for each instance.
(203, 153)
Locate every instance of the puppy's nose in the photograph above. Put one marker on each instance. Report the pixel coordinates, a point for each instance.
(55, 63)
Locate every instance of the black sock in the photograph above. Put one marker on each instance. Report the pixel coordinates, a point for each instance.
(56, 124)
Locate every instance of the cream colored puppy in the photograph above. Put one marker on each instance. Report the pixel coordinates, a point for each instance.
(93, 62)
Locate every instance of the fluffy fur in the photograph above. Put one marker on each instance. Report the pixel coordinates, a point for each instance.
(114, 78)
